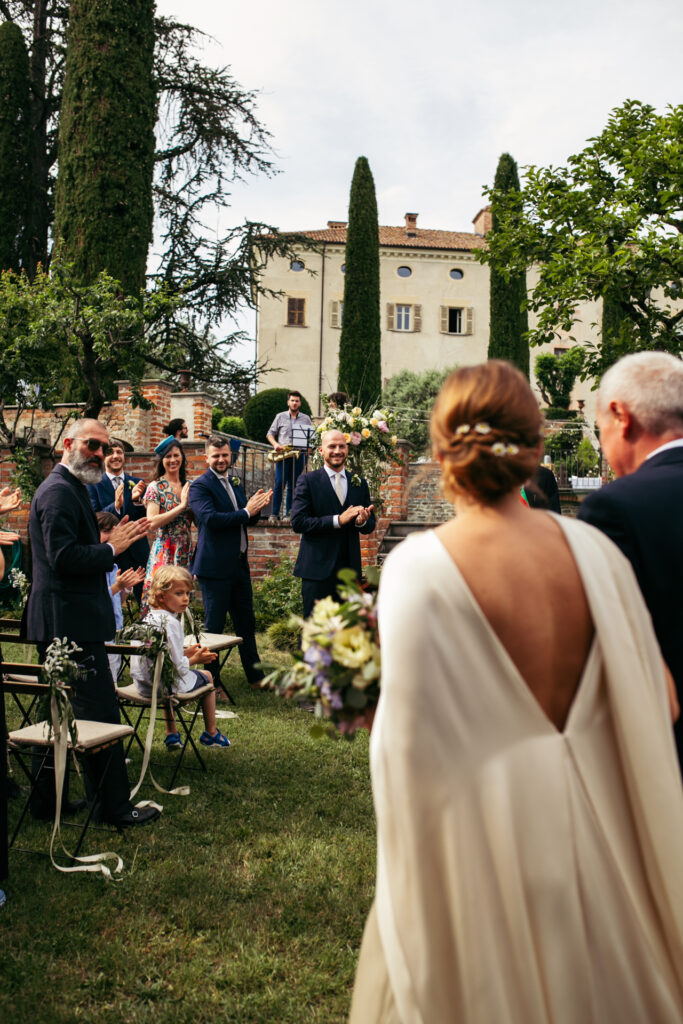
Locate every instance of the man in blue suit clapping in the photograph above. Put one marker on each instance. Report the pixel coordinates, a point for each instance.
(121, 493)
(222, 514)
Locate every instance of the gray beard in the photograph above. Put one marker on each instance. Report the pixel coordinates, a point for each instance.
(78, 466)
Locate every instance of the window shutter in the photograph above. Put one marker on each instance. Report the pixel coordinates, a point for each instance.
(334, 313)
(417, 318)
(443, 315)
(469, 320)
(390, 316)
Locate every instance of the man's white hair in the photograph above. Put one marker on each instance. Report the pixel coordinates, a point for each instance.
(650, 384)
(82, 426)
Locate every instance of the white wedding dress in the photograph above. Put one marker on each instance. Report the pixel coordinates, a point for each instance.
(524, 875)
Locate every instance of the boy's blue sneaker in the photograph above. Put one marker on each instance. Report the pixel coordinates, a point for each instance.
(173, 741)
(219, 740)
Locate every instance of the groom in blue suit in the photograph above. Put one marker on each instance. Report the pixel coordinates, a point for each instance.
(330, 512)
(222, 514)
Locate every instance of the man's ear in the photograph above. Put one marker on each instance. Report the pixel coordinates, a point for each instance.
(623, 416)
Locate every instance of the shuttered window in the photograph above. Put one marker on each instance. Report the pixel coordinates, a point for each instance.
(456, 320)
(403, 317)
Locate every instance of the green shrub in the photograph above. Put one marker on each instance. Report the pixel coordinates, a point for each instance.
(278, 595)
(261, 410)
(556, 375)
(284, 636)
(587, 459)
(565, 441)
(234, 425)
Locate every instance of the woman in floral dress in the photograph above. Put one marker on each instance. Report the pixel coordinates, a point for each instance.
(166, 501)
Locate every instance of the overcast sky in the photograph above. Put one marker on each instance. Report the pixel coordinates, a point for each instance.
(430, 92)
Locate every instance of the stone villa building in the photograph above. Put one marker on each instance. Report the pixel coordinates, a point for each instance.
(434, 307)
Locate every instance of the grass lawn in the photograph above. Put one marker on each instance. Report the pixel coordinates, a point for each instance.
(244, 903)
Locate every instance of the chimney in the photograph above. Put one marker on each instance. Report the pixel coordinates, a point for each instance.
(411, 223)
(483, 221)
(341, 224)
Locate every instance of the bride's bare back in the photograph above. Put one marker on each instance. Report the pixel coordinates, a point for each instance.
(519, 568)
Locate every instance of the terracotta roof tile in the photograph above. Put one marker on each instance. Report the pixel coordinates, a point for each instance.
(420, 238)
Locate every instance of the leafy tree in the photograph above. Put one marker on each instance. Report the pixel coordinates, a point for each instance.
(15, 181)
(56, 322)
(609, 224)
(509, 320)
(360, 361)
(208, 135)
(261, 410)
(411, 396)
(556, 375)
(104, 209)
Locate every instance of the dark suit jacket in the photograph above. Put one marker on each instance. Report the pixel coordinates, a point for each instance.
(643, 515)
(102, 499)
(219, 527)
(313, 508)
(542, 490)
(69, 595)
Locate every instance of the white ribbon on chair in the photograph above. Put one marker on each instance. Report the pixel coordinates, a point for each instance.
(179, 790)
(95, 862)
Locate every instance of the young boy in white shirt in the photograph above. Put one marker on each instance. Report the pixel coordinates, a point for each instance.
(169, 595)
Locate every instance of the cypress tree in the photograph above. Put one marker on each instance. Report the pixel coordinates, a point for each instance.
(104, 208)
(15, 172)
(360, 361)
(508, 321)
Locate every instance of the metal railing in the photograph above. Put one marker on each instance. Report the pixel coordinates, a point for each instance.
(571, 471)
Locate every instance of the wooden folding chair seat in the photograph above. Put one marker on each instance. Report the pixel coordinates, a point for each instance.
(93, 737)
(222, 644)
(134, 708)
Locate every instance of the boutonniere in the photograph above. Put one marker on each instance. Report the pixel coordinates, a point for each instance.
(235, 481)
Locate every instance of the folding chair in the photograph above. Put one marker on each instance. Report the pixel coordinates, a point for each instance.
(134, 706)
(221, 643)
(20, 681)
(93, 737)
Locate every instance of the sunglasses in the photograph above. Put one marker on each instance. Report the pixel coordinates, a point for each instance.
(93, 446)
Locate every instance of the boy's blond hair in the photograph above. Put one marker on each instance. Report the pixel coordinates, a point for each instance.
(164, 579)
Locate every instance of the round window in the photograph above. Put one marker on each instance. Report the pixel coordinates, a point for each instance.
(404, 271)
(343, 268)
(296, 265)
(456, 274)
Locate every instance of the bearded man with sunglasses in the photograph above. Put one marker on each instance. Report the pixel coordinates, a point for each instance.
(69, 598)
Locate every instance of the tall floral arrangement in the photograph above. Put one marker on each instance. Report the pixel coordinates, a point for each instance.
(372, 443)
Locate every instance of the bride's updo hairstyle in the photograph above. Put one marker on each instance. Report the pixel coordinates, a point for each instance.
(486, 427)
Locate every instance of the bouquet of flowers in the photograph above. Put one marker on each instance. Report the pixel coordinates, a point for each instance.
(372, 446)
(338, 665)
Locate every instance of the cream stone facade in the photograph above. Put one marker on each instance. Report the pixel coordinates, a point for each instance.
(434, 307)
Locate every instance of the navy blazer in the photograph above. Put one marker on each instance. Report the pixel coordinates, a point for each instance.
(314, 506)
(102, 500)
(643, 514)
(69, 595)
(219, 527)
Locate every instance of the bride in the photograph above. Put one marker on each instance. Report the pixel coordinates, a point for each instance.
(528, 799)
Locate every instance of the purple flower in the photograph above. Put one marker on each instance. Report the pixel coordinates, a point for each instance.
(333, 696)
(317, 655)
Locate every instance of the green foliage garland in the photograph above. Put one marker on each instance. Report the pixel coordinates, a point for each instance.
(360, 361)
